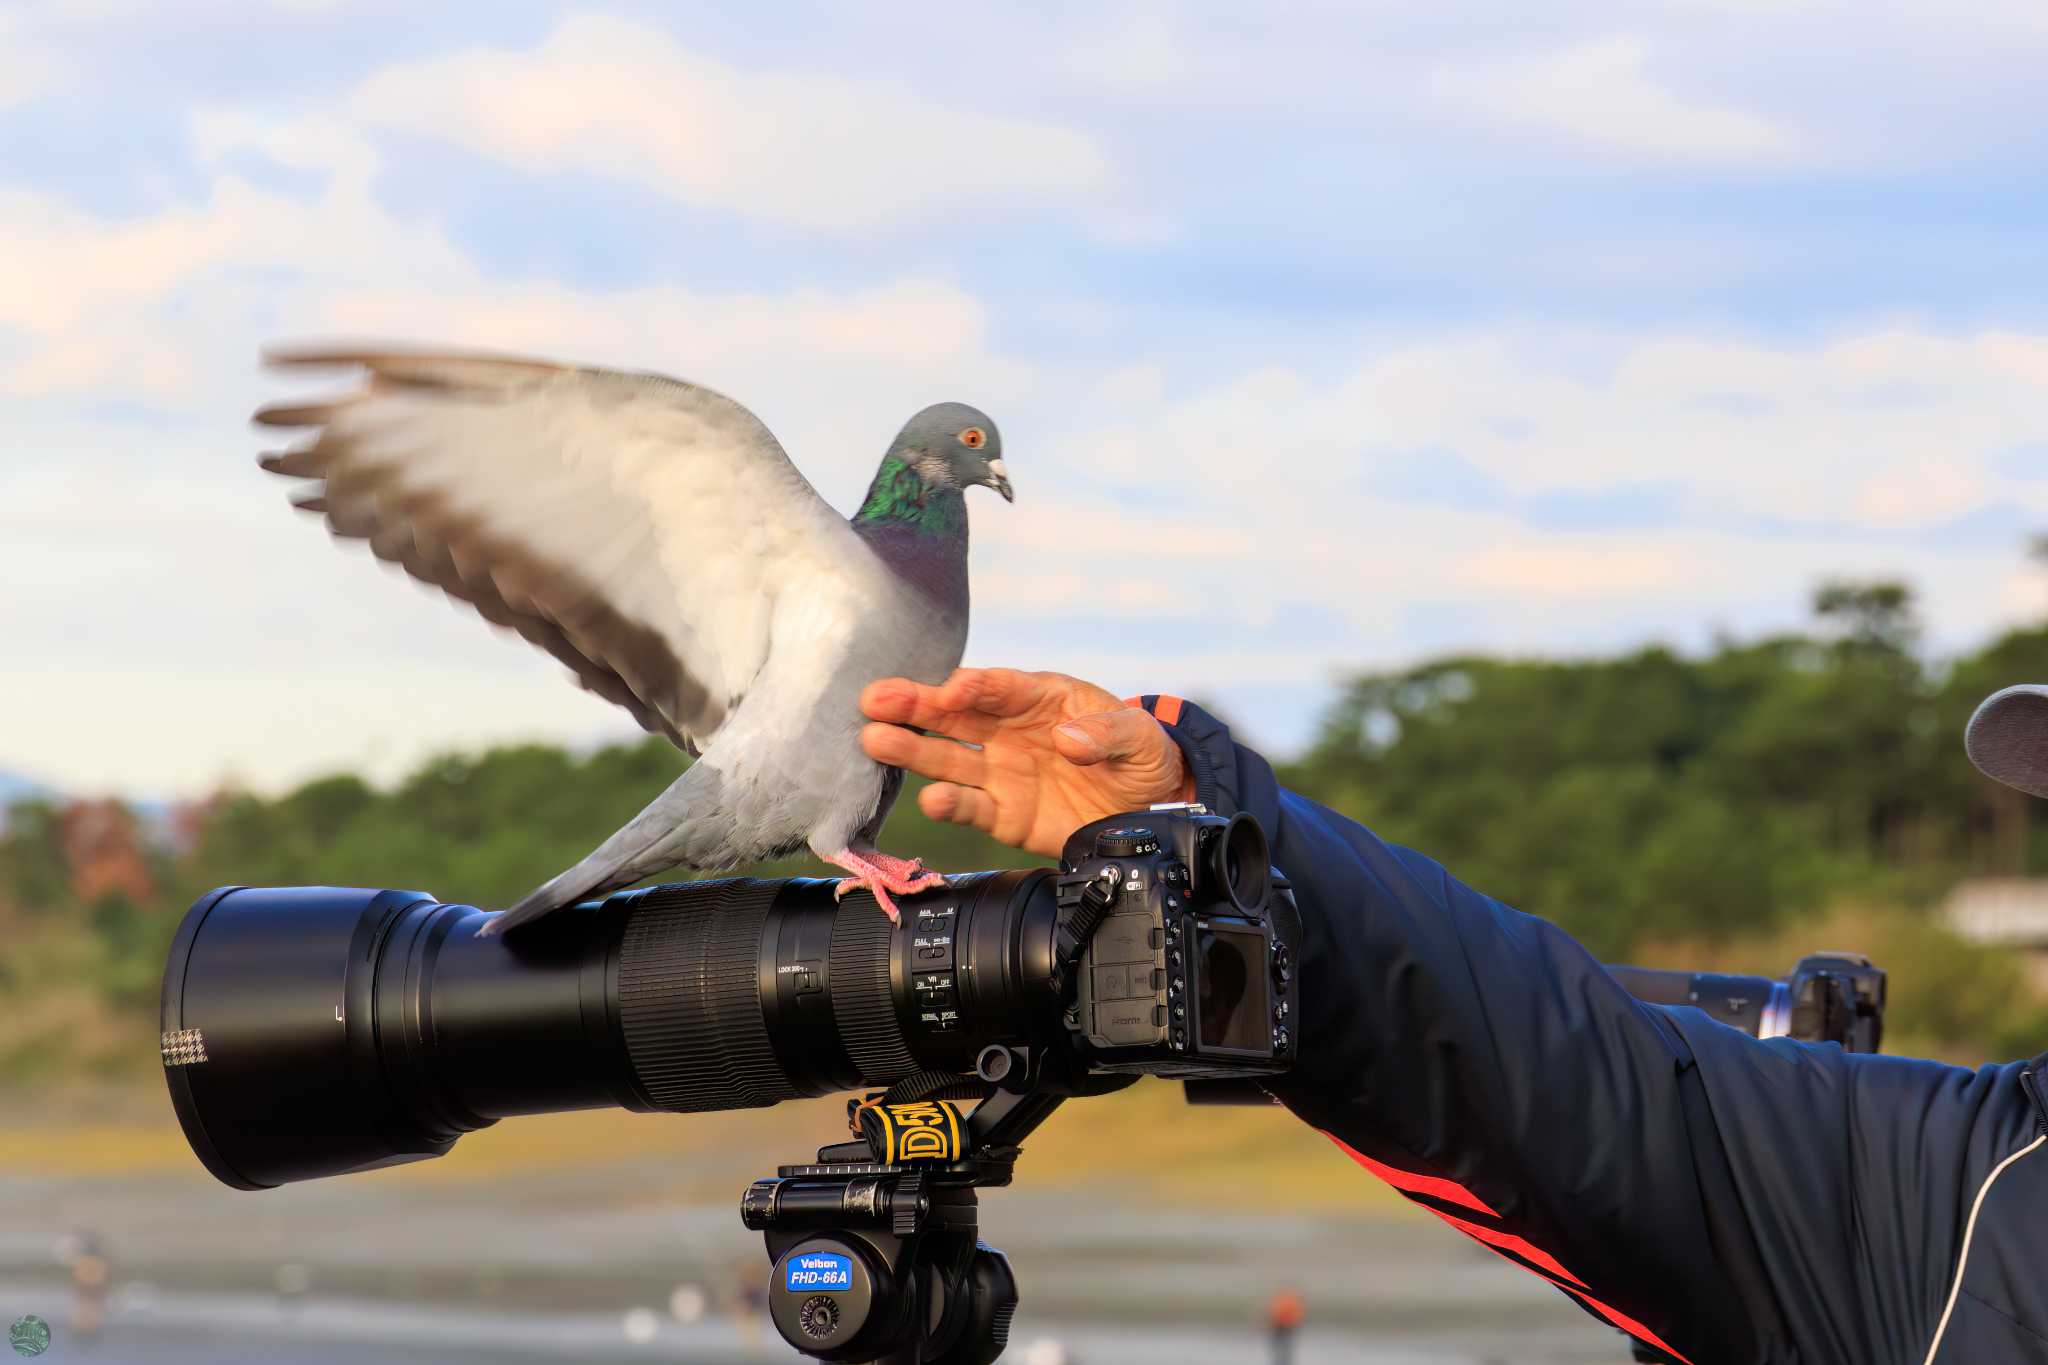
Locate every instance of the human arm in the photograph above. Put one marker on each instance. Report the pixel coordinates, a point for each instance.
(1726, 1199)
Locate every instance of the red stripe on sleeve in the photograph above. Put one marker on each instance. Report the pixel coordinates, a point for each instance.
(1450, 1191)
(1507, 1241)
(1545, 1265)
(1625, 1323)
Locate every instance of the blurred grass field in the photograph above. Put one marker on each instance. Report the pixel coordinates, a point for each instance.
(1146, 1139)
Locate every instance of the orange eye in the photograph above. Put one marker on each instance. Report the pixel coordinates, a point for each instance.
(974, 438)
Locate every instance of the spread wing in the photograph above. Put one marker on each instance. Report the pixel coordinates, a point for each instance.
(637, 528)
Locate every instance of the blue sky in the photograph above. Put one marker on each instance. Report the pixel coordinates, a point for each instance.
(1321, 336)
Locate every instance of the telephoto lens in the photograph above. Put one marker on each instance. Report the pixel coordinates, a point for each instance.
(1827, 998)
(310, 1031)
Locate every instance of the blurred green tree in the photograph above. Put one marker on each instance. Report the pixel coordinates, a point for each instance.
(1640, 800)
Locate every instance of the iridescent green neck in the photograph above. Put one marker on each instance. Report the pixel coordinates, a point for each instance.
(900, 496)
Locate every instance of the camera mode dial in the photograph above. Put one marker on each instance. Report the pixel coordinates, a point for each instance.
(1125, 841)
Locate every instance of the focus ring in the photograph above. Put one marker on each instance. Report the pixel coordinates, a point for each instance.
(863, 1001)
(689, 996)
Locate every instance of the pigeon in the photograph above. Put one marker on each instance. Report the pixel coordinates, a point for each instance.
(652, 535)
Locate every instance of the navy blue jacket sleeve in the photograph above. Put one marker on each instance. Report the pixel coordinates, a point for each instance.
(1717, 1198)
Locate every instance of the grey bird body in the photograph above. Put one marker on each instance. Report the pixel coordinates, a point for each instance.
(786, 772)
(653, 535)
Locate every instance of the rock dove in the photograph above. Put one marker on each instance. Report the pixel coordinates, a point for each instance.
(653, 535)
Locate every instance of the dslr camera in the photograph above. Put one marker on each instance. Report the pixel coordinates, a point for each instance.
(313, 1031)
(1191, 939)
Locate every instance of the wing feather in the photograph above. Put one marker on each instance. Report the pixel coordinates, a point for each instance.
(638, 528)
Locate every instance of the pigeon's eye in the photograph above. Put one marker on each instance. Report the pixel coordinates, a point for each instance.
(974, 438)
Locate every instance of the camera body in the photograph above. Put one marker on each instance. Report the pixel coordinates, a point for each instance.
(1187, 945)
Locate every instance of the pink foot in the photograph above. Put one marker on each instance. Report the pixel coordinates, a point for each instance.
(879, 874)
(905, 870)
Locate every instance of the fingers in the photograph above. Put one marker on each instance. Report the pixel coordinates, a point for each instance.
(1124, 734)
(960, 701)
(958, 805)
(1001, 692)
(899, 701)
(942, 759)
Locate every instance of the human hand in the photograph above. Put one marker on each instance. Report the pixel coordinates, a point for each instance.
(1055, 752)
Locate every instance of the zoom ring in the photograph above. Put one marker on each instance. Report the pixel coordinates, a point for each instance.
(689, 997)
(863, 1002)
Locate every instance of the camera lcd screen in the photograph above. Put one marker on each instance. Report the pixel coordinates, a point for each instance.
(1232, 979)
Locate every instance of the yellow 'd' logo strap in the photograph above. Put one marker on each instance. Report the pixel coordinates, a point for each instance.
(929, 1130)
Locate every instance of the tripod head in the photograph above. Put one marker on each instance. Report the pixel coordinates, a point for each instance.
(875, 1247)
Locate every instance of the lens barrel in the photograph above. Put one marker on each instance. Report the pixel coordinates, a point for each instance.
(1828, 998)
(1740, 1001)
(309, 1031)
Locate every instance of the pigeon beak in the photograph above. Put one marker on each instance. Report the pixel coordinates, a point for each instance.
(999, 479)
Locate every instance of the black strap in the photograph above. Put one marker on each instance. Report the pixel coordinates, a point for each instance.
(935, 1085)
(1070, 938)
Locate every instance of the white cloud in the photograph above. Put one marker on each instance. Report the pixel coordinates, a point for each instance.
(1142, 382)
(1601, 92)
(809, 150)
(1764, 469)
(162, 662)
(181, 622)
(171, 307)
(27, 68)
(1287, 513)
(1131, 48)
(1792, 431)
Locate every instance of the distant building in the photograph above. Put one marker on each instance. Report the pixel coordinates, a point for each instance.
(2009, 912)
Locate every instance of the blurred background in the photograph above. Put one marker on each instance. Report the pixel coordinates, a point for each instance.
(1606, 450)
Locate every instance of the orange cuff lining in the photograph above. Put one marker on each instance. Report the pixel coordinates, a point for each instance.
(1165, 709)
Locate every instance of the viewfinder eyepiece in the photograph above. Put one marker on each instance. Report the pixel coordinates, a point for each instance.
(1240, 862)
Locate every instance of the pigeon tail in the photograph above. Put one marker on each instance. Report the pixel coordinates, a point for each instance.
(682, 825)
(587, 879)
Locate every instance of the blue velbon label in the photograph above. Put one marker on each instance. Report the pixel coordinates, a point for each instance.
(818, 1270)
